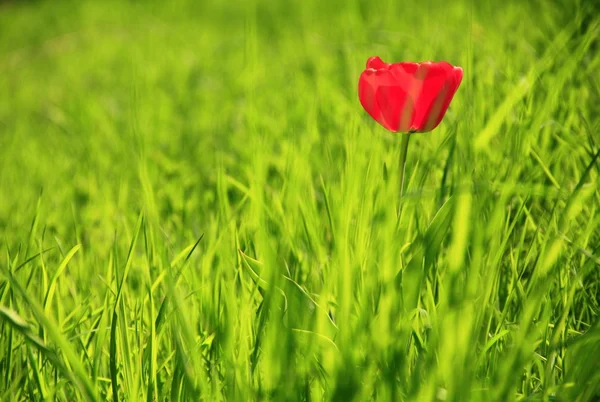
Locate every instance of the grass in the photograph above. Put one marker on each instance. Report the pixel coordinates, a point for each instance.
(194, 206)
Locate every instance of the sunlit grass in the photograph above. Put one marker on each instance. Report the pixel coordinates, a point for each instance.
(194, 205)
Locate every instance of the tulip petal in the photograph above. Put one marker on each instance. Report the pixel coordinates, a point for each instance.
(370, 80)
(396, 107)
(429, 105)
(376, 63)
(406, 67)
(453, 84)
(366, 95)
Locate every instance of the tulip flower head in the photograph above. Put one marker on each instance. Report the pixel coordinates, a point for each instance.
(408, 97)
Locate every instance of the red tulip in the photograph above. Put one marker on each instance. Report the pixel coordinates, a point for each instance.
(408, 97)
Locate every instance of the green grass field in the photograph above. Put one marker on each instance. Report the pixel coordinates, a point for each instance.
(195, 206)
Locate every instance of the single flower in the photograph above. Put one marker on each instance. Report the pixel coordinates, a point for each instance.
(408, 97)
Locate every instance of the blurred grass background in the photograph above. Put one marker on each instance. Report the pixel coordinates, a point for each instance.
(193, 204)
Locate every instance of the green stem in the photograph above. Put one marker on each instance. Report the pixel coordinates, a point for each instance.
(402, 164)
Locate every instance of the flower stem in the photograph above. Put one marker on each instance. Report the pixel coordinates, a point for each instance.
(402, 165)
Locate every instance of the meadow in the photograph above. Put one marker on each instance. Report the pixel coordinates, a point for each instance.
(195, 206)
